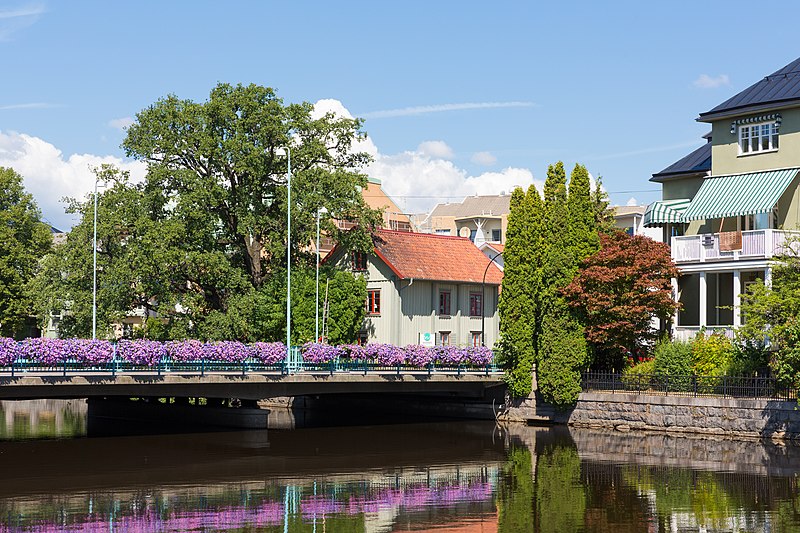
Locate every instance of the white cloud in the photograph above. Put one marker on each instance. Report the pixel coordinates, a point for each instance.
(330, 105)
(425, 109)
(436, 149)
(13, 20)
(121, 124)
(49, 176)
(632, 202)
(31, 105)
(485, 159)
(708, 82)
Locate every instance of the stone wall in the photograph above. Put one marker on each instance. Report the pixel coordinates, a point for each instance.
(715, 416)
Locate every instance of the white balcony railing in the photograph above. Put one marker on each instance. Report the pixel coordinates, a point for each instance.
(756, 244)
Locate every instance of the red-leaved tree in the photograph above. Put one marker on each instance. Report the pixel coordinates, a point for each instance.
(619, 290)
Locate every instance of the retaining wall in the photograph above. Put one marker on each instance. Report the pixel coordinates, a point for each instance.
(677, 414)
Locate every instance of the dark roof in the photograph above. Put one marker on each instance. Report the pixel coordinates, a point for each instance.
(778, 89)
(434, 257)
(694, 163)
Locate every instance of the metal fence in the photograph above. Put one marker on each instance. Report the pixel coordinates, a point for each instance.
(672, 385)
(250, 366)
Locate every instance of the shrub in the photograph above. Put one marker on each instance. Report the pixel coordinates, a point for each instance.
(639, 376)
(672, 358)
(711, 354)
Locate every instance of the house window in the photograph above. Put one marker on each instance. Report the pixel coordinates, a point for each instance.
(476, 338)
(475, 304)
(363, 338)
(442, 232)
(629, 230)
(762, 137)
(444, 338)
(359, 261)
(495, 235)
(444, 303)
(374, 302)
(472, 234)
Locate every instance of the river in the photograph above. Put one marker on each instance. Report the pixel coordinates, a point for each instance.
(447, 477)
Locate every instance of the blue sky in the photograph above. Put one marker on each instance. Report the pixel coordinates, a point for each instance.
(459, 97)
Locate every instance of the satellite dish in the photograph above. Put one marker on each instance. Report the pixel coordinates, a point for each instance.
(464, 232)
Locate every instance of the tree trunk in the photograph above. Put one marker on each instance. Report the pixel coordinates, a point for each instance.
(253, 259)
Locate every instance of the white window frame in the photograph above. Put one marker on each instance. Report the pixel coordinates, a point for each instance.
(758, 138)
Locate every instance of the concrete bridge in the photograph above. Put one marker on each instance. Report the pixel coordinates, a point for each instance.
(245, 385)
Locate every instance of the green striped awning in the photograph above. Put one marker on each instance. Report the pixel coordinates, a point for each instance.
(739, 194)
(665, 212)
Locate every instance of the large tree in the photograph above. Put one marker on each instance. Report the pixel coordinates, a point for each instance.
(618, 292)
(225, 161)
(24, 239)
(201, 243)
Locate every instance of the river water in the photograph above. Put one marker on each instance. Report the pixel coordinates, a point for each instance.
(454, 477)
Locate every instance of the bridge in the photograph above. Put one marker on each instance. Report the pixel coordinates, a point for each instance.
(244, 383)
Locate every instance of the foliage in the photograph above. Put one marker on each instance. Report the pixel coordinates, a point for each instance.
(562, 357)
(561, 498)
(711, 354)
(143, 352)
(619, 290)
(547, 236)
(639, 373)
(672, 358)
(201, 244)
(24, 239)
(517, 306)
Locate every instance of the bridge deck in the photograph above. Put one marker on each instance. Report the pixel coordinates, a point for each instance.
(249, 385)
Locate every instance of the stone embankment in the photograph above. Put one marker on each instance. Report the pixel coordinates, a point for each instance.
(730, 417)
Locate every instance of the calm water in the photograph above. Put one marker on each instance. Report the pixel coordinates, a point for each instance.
(444, 477)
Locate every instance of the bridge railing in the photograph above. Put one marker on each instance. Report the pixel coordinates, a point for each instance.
(250, 366)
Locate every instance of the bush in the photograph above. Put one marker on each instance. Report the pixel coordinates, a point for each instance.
(711, 354)
(639, 375)
(672, 358)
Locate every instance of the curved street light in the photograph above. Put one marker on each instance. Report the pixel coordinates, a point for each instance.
(483, 298)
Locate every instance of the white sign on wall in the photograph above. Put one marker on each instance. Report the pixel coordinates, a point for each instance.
(427, 339)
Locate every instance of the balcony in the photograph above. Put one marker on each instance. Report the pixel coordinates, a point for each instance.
(756, 244)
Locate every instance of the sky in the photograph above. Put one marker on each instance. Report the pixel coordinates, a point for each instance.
(458, 97)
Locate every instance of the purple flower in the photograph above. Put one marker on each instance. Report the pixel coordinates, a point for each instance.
(479, 356)
(450, 355)
(9, 351)
(269, 353)
(189, 351)
(385, 354)
(141, 352)
(228, 351)
(314, 352)
(419, 356)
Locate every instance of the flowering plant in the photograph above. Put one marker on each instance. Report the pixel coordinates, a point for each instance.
(315, 352)
(228, 351)
(419, 356)
(9, 351)
(189, 351)
(269, 353)
(141, 352)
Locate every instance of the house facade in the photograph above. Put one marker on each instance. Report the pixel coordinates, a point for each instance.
(732, 205)
(478, 218)
(426, 288)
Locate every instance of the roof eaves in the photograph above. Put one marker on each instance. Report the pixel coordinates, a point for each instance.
(747, 109)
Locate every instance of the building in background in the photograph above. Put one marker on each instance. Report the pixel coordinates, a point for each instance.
(630, 219)
(426, 286)
(478, 218)
(733, 204)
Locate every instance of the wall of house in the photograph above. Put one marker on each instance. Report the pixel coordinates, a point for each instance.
(789, 207)
(678, 188)
(725, 158)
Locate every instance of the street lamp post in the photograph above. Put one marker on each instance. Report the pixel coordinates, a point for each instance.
(483, 298)
(288, 254)
(316, 316)
(94, 266)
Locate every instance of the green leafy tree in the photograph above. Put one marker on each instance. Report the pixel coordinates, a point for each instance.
(24, 239)
(515, 494)
(516, 306)
(200, 245)
(223, 163)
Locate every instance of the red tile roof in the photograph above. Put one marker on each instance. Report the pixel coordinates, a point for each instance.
(434, 257)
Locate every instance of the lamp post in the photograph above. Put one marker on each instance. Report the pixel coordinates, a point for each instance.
(483, 298)
(288, 254)
(316, 316)
(94, 266)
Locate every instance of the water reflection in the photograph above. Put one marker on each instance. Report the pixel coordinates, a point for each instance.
(457, 477)
(38, 419)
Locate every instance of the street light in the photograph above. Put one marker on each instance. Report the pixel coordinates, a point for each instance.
(94, 266)
(483, 298)
(288, 254)
(316, 316)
